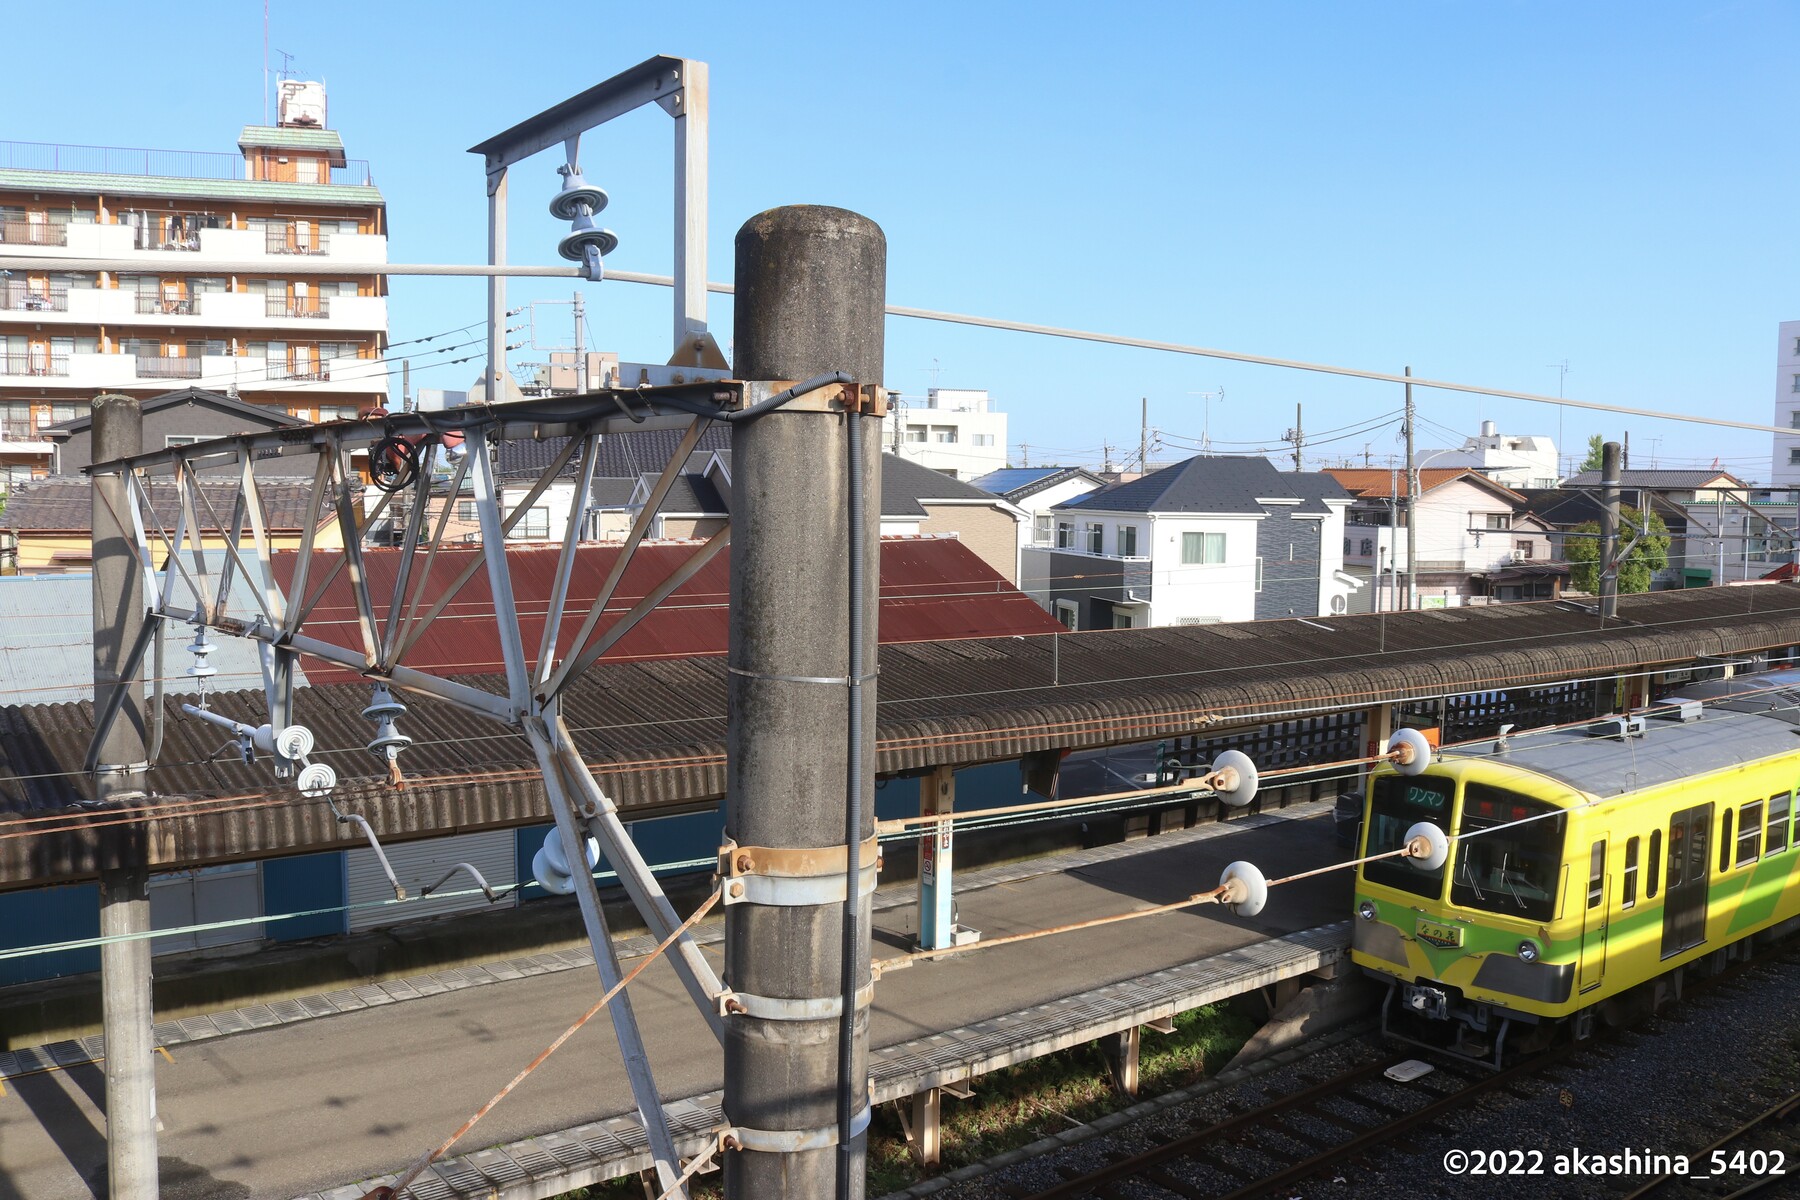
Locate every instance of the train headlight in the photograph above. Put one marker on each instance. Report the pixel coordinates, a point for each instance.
(1528, 951)
(1366, 910)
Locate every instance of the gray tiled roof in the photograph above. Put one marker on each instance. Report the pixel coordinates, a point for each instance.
(85, 182)
(1667, 480)
(1216, 484)
(905, 483)
(64, 504)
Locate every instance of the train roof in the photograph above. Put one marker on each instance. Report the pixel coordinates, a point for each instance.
(1730, 731)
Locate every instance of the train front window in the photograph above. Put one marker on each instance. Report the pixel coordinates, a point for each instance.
(1396, 804)
(1501, 865)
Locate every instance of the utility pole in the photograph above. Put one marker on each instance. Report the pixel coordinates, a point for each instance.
(581, 374)
(800, 737)
(1625, 455)
(127, 1014)
(1297, 435)
(1412, 505)
(1610, 454)
(406, 385)
(1024, 454)
(1393, 539)
(1144, 436)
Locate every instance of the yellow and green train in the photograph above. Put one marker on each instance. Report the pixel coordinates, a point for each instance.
(1586, 868)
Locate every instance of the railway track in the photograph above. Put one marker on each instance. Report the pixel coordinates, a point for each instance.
(1761, 1157)
(1303, 1134)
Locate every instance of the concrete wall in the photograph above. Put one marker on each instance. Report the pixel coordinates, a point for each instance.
(1185, 592)
(1291, 554)
(191, 420)
(689, 527)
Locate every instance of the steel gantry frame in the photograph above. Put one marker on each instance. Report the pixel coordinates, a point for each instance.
(233, 589)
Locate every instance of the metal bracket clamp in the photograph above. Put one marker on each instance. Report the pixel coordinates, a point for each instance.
(791, 877)
(863, 399)
(792, 1141)
(776, 1008)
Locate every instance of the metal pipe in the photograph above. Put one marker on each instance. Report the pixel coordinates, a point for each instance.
(855, 816)
(480, 882)
(380, 854)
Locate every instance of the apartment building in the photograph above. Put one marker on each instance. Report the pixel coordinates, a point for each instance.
(957, 432)
(210, 296)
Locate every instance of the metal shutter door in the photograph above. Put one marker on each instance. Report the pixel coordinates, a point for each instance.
(419, 865)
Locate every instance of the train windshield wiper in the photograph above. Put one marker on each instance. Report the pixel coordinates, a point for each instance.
(1504, 878)
(1469, 874)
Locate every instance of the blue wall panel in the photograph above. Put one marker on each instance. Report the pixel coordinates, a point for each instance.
(60, 914)
(298, 884)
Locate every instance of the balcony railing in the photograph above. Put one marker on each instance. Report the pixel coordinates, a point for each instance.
(21, 299)
(157, 367)
(167, 306)
(308, 307)
(123, 160)
(305, 371)
(17, 431)
(34, 233)
(289, 241)
(150, 237)
(34, 364)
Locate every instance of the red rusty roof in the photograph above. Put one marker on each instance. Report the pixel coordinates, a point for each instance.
(932, 589)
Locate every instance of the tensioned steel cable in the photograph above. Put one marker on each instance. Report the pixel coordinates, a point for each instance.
(922, 314)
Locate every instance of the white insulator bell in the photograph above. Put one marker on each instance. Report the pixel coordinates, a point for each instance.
(384, 710)
(200, 648)
(584, 233)
(577, 197)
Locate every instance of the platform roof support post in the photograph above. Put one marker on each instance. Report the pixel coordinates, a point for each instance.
(937, 891)
(127, 1015)
(811, 293)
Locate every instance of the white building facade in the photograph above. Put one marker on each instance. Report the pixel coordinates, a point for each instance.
(956, 431)
(1784, 471)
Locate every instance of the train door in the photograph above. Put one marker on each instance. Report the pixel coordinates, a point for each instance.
(1593, 929)
(1684, 901)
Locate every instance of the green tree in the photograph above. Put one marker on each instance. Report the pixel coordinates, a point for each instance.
(1650, 555)
(1596, 453)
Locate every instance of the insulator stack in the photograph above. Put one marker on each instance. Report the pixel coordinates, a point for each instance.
(578, 203)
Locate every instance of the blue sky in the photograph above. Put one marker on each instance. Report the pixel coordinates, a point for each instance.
(1477, 191)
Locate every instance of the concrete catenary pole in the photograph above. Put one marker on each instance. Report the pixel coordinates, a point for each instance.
(127, 1014)
(811, 288)
(1610, 455)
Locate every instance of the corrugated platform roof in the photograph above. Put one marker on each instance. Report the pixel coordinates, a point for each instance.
(655, 727)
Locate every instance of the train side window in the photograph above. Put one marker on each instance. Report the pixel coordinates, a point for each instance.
(1780, 809)
(1724, 841)
(1678, 832)
(1654, 865)
(1749, 840)
(1597, 874)
(1629, 896)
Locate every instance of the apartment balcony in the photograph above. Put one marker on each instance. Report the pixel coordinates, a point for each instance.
(15, 297)
(298, 308)
(18, 438)
(155, 367)
(33, 233)
(36, 366)
(194, 251)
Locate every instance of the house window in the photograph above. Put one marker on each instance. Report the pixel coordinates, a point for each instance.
(1041, 531)
(1259, 575)
(1496, 520)
(465, 511)
(1122, 619)
(1068, 614)
(1368, 546)
(1199, 620)
(1205, 549)
(1128, 541)
(181, 439)
(534, 525)
(1795, 387)
(1522, 548)
(1065, 535)
(1794, 419)
(915, 433)
(982, 439)
(1347, 549)
(1096, 538)
(943, 434)
(1797, 347)
(1794, 456)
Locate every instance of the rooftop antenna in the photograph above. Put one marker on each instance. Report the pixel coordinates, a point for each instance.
(287, 64)
(934, 370)
(1206, 399)
(265, 62)
(1562, 375)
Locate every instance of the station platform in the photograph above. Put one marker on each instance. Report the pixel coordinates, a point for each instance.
(320, 1097)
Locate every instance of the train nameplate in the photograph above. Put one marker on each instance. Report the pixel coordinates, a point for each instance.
(1447, 936)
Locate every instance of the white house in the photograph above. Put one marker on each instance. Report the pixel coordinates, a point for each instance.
(1473, 539)
(1207, 540)
(1516, 461)
(1037, 491)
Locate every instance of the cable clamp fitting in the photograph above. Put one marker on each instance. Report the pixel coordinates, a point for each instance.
(793, 877)
(792, 1141)
(777, 1008)
(839, 680)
